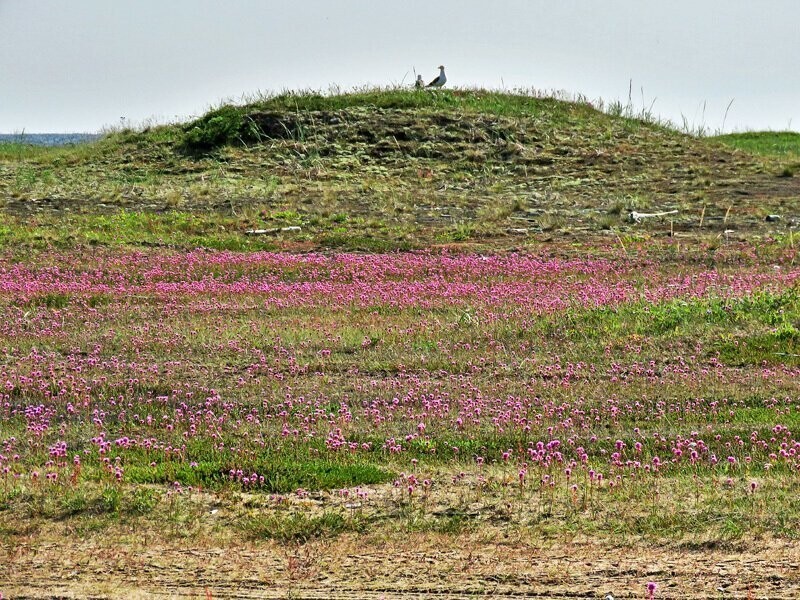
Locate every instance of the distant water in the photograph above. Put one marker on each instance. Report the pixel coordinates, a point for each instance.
(47, 139)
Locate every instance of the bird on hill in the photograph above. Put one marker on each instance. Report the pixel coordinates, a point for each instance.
(440, 80)
(419, 83)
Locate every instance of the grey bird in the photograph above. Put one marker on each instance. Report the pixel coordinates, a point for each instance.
(440, 80)
(419, 83)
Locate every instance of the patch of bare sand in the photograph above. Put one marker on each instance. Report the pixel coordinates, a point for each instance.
(126, 564)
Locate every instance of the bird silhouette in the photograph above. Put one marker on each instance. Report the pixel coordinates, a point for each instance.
(440, 80)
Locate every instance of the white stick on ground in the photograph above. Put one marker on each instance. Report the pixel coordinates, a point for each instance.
(272, 230)
(636, 217)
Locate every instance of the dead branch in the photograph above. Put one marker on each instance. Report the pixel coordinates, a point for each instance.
(636, 217)
(272, 230)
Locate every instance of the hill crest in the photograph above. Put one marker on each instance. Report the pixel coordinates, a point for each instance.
(404, 165)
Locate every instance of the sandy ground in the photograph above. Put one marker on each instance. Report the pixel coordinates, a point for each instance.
(397, 566)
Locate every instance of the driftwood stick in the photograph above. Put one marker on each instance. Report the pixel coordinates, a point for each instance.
(272, 230)
(636, 217)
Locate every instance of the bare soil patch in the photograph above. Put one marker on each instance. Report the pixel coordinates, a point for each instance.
(128, 565)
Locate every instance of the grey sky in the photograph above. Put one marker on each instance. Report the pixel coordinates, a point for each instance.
(79, 65)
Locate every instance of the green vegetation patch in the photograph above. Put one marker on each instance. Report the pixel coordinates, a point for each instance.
(280, 474)
(779, 347)
(769, 143)
(682, 316)
(106, 499)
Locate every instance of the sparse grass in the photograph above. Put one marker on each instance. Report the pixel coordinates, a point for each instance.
(170, 229)
(298, 527)
(16, 151)
(103, 501)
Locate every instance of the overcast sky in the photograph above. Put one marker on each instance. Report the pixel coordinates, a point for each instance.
(80, 65)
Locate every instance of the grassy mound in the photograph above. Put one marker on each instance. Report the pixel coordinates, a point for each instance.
(398, 168)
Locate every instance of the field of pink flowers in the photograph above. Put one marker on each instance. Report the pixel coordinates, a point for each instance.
(312, 394)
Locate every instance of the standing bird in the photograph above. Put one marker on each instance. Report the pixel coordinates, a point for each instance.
(419, 83)
(440, 80)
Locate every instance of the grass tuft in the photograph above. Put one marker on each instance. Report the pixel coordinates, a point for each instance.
(301, 528)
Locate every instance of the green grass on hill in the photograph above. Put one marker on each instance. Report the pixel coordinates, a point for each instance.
(768, 143)
(244, 125)
(469, 100)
